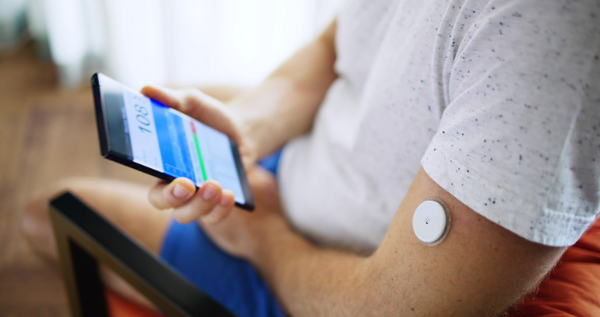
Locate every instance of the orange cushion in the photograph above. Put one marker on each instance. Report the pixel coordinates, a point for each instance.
(120, 307)
(573, 287)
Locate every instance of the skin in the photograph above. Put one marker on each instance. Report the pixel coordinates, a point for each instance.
(480, 269)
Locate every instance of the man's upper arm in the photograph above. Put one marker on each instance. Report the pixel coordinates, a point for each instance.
(480, 268)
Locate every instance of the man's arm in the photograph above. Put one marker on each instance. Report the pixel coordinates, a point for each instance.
(285, 104)
(480, 269)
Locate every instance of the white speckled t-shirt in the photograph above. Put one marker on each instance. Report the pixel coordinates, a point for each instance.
(499, 101)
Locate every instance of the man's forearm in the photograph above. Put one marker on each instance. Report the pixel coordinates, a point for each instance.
(310, 281)
(480, 269)
(285, 104)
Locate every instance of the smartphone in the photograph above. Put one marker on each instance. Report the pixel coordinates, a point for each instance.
(148, 136)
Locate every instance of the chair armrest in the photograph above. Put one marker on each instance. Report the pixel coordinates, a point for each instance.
(85, 239)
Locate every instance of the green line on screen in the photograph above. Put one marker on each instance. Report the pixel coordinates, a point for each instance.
(200, 157)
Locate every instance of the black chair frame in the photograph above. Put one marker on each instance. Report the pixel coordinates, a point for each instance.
(85, 239)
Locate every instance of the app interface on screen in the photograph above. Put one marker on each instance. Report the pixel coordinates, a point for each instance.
(173, 143)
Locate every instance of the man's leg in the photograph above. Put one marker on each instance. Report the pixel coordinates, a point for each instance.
(123, 204)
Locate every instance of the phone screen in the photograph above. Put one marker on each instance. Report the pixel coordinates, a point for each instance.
(173, 143)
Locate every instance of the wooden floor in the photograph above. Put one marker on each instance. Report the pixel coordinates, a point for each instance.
(45, 134)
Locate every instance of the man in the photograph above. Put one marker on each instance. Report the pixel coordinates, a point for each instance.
(489, 106)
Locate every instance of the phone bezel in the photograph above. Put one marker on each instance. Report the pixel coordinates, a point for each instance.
(107, 152)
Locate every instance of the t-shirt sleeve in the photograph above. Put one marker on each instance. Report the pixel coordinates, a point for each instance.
(519, 139)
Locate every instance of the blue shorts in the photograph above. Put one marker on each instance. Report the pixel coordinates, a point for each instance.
(232, 282)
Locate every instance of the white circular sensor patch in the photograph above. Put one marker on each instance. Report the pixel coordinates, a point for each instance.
(431, 222)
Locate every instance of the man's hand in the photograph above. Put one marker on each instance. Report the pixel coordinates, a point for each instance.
(211, 202)
(241, 233)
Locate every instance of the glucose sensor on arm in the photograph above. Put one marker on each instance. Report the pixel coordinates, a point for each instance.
(431, 222)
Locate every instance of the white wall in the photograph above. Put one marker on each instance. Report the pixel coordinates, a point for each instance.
(180, 42)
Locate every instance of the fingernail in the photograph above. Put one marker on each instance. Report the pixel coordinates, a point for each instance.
(209, 192)
(180, 191)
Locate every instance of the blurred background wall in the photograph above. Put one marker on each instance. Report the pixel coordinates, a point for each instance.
(169, 42)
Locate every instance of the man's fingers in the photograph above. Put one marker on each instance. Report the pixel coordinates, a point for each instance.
(166, 96)
(209, 111)
(197, 105)
(210, 202)
(221, 210)
(207, 197)
(175, 194)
